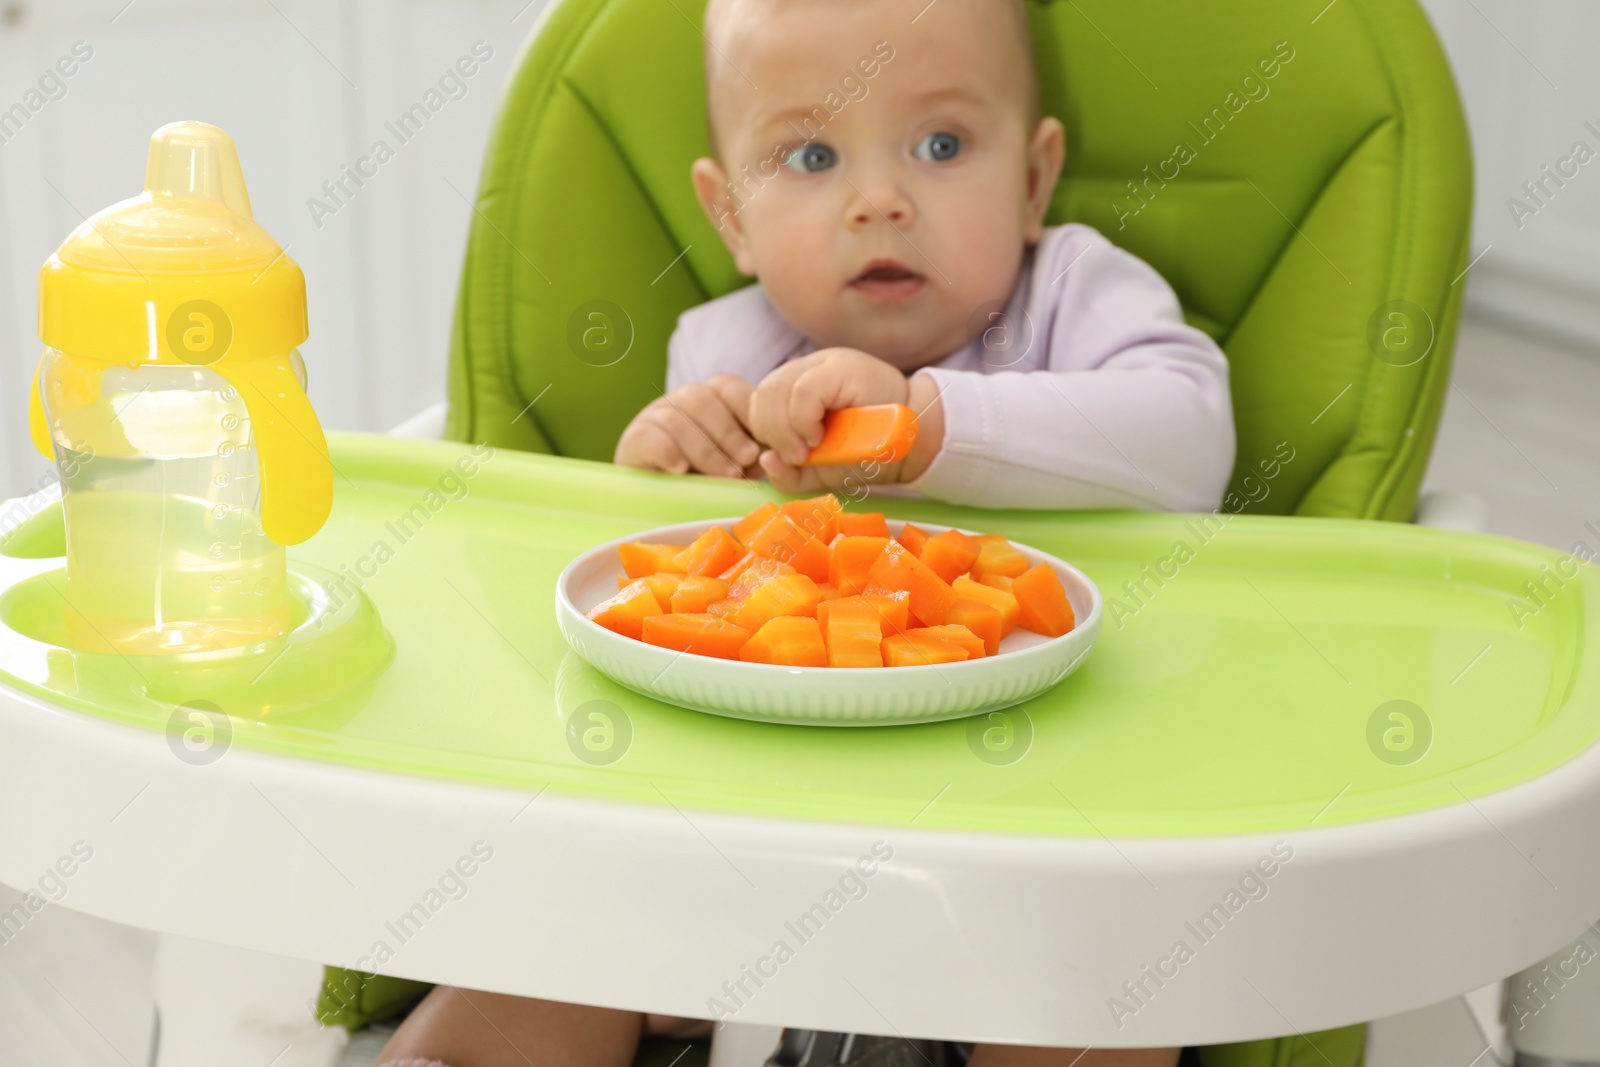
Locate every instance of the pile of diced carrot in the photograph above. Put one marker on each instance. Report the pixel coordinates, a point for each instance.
(809, 584)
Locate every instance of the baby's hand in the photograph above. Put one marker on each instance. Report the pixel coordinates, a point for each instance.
(701, 427)
(788, 407)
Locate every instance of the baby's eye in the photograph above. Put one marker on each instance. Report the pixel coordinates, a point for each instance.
(808, 159)
(937, 147)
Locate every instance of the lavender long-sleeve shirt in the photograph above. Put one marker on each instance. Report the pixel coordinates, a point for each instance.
(1088, 391)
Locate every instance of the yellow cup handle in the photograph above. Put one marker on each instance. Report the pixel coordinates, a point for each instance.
(38, 429)
(296, 474)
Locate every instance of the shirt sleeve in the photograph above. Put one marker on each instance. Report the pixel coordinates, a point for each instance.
(740, 333)
(1130, 410)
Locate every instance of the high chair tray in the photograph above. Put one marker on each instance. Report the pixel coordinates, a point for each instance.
(1393, 720)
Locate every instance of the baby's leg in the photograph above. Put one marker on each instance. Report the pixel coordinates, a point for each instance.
(1022, 1056)
(465, 1028)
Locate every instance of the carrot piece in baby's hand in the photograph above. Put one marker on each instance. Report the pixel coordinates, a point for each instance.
(702, 634)
(913, 537)
(751, 524)
(863, 524)
(1042, 604)
(881, 433)
(950, 554)
(931, 596)
(984, 620)
(712, 553)
(904, 650)
(1001, 600)
(625, 613)
(642, 559)
(789, 640)
(695, 593)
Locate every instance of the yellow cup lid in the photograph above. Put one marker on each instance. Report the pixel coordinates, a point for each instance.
(183, 274)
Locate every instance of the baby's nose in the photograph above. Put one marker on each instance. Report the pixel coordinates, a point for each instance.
(880, 205)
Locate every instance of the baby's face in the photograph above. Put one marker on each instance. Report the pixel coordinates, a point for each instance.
(887, 174)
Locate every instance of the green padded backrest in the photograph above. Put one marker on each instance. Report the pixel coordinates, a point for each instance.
(1294, 168)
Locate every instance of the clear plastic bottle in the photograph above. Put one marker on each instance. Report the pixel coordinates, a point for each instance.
(188, 467)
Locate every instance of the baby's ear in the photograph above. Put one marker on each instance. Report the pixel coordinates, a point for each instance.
(718, 202)
(1046, 152)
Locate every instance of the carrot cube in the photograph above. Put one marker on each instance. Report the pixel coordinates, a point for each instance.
(913, 537)
(851, 560)
(1000, 599)
(904, 650)
(982, 619)
(1042, 604)
(818, 516)
(949, 554)
(996, 555)
(852, 633)
(751, 524)
(702, 634)
(881, 433)
(787, 594)
(996, 581)
(956, 635)
(782, 540)
(829, 592)
(642, 559)
(931, 596)
(863, 524)
(712, 553)
(695, 593)
(625, 613)
(661, 585)
(893, 604)
(742, 581)
(789, 640)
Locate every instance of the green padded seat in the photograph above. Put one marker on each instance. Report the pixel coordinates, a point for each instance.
(1298, 170)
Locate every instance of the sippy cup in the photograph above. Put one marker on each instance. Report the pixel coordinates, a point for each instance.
(173, 398)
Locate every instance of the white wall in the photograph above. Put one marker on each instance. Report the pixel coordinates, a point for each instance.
(306, 85)
(1529, 74)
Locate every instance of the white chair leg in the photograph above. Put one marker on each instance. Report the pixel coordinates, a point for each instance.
(219, 1005)
(1553, 1007)
(743, 1044)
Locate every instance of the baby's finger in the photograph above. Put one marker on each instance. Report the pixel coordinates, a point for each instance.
(815, 393)
(786, 478)
(769, 416)
(703, 453)
(736, 393)
(652, 447)
(706, 407)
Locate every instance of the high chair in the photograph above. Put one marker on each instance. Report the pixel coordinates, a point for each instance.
(1299, 172)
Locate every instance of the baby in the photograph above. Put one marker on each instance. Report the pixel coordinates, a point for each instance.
(883, 169)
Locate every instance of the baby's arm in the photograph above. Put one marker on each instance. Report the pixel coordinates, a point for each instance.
(1132, 410)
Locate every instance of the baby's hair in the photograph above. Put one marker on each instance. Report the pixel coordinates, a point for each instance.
(1017, 9)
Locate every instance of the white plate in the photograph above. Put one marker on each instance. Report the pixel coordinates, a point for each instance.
(1026, 666)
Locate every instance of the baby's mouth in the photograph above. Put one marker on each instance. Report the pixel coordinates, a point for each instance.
(886, 279)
